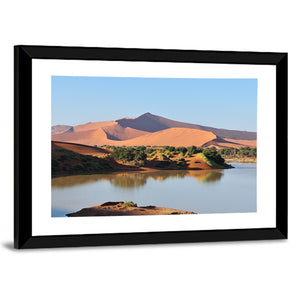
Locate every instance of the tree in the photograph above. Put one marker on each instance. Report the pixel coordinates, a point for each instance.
(182, 150)
(212, 154)
(140, 155)
(125, 154)
(199, 150)
(142, 148)
(169, 148)
(253, 152)
(191, 150)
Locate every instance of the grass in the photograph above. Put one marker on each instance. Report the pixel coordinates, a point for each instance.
(71, 163)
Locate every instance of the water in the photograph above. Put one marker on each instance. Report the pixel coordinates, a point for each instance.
(203, 191)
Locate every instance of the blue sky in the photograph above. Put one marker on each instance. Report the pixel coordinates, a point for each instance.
(220, 103)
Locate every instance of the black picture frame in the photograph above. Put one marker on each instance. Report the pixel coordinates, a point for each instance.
(23, 56)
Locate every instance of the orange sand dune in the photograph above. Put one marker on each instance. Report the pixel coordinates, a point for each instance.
(172, 137)
(88, 137)
(117, 132)
(101, 136)
(119, 136)
(93, 125)
(98, 133)
(244, 143)
(149, 129)
(229, 143)
(82, 149)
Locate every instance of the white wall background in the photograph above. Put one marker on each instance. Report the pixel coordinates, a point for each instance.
(240, 270)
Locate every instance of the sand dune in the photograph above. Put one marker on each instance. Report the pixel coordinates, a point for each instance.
(248, 143)
(119, 133)
(101, 136)
(173, 137)
(88, 137)
(229, 143)
(60, 128)
(152, 130)
(93, 125)
(82, 149)
(153, 123)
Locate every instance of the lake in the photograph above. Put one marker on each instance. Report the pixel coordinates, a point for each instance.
(199, 191)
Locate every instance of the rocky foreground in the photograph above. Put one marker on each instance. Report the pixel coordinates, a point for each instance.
(120, 209)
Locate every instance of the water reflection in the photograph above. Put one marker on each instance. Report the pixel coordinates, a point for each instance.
(127, 180)
(130, 180)
(208, 176)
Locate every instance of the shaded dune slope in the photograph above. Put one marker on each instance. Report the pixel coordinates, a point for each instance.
(153, 123)
(119, 133)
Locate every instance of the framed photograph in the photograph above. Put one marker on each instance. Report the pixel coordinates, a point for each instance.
(142, 146)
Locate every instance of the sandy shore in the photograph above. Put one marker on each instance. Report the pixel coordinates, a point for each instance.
(241, 160)
(119, 209)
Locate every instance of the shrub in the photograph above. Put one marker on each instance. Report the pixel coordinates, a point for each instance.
(82, 158)
(169, 148)
(209, 161)
(199, 150)
(180, 163)
(78, 167)
(242, 152)
(191, 150)
(163, 164)
(55, 163)
(130, 204)
(63, 157)
(212, 154)
(60, 150)
(140, 155)
(182, 150)
(141, 148)
(125, 154)
(150, 151)
(129, 154)
(253, 152)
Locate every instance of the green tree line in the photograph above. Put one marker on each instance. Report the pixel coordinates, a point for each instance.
(241, 152)
(129, 153)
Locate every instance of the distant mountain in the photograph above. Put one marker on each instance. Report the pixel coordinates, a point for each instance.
(149, 129)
